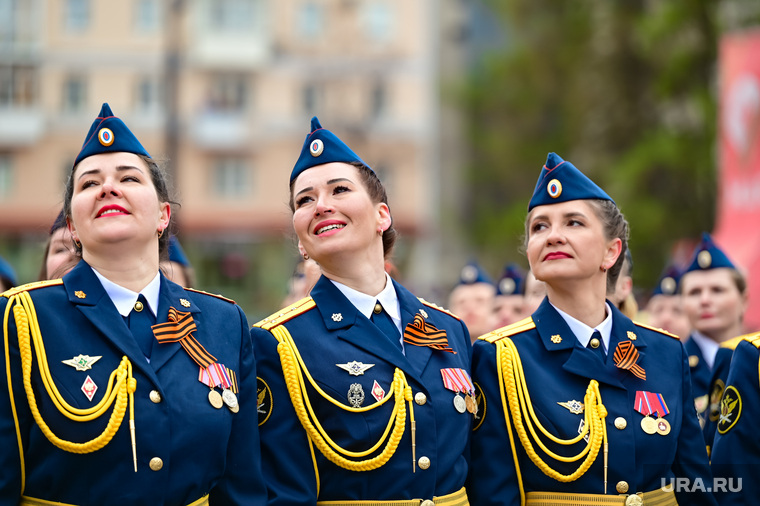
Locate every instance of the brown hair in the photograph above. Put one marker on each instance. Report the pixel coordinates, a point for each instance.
(157, 170)
(377, 195)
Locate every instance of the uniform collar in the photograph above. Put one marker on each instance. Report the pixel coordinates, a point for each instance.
(366, 303)
(707, 346)
(124, 299)
(583, 332)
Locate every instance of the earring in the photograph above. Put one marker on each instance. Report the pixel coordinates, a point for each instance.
(603, 268)
(160, 233)
(305, 256)
(78, 244)
(380, 230)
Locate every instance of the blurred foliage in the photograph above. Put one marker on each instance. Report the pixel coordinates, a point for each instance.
(625, 90)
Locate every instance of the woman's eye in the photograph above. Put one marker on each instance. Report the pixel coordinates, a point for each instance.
(575, 223)
(537, 226)
(87, 184)
(303, 200)
(341, 189)
(134, 179)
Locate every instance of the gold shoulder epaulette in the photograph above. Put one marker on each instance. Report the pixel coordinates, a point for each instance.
(753, 338)
(216, 295)
(286, 313)
(31, 286)
(732, 343)
(439, 308)
(509, 330)
(661, 331)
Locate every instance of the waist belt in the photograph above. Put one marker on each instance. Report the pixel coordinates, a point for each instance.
(458, 498)
(657, 497)
(31, 501)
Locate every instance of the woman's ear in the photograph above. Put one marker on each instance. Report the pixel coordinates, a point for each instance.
(384, 219)
(614, 247)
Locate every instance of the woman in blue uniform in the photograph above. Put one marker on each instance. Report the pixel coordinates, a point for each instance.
(580, 404)
(116, 378)
(364, 389)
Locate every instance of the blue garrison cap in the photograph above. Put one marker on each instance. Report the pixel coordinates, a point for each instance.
(668, 282)
(322, 146)
(109, 134)
(472, 273)
(708, 256)
(560, 181)
(176, 253)
(512, 281)
(7, 273)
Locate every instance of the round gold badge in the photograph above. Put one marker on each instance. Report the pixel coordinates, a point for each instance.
(554, 188)
(730, 409)
(663, 427)
(105, 136)
(648, 425)
(704, 259)
(215, 399)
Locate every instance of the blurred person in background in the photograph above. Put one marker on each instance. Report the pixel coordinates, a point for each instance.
(508, 305)
(535, 292)
(115, 339)
(714, 295)
(621, 293)
(60, 255)
(364, 389)
(564, 419)
(664, 308)
(303, 279)
(7, 275)
(178, 268)
(472, 300)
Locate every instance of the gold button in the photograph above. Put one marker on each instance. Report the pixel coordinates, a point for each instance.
(378, 308)
(427, 502)
(634, 500)
(420, 398)
(621, 487)
(620, 423)
(594, 343)
(156, 464)
(424, 463)
(155, 396)
(138, 306)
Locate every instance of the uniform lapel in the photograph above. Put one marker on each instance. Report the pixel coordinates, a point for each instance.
(418, 356)
(343, 320)
(173, 295)
(87, 293)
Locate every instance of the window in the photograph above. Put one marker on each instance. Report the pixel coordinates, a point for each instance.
(77, 15)
(228, 93)
(6, 176)
(18, 85)
(310, 22)
(230, 177)
(232, 15)
(149, 95)
(148, 16)
(74, 94)
(377, 19)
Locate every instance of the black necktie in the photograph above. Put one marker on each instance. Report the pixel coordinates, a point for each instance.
(139, 322)
(596, 345)
(385, 323)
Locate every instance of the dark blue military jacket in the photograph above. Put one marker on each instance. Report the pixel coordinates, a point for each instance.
(736, 450)
(701, 375)
(201, 449)
(558, 370)
(334, 332)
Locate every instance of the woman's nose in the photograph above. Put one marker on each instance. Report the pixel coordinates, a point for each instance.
(109, 189)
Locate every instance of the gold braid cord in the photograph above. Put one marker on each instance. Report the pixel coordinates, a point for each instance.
(296, 374)
(120, 390)
(516, 401)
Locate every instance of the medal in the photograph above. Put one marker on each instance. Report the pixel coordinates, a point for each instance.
(470, 404)
(459, 404)
(215, 399)
(648, 425)
(229, 398)
(663, 427)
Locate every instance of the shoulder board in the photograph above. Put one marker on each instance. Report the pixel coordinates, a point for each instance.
(439, 308)
(509, 330)
(286, 313)
(31, 286)
(732, 343)
(215, 295)
(753, 339)
(659, 331)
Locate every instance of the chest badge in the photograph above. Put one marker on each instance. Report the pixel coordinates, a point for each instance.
(355, 368)
(356, 395)
(575, 407)
(82, 362)
(89, 388)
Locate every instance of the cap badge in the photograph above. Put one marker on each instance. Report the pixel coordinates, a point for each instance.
(554, 188)
(507, 286)
(668, 286)
(105, 136)
(316, 147)
(704, 259)
(469, 273)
